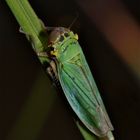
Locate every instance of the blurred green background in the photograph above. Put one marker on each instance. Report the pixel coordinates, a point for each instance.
(31, 109)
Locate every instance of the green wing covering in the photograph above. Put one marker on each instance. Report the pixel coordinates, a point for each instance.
(81, 91)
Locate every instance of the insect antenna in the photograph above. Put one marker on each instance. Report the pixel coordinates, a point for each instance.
(74, 20)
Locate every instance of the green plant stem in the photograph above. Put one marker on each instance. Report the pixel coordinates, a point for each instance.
(30, 23)
(85, 133)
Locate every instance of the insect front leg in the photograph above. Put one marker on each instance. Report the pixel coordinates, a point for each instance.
(29, 37)
(51, 68)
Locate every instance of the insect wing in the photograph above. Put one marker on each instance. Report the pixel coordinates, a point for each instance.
(81, 91)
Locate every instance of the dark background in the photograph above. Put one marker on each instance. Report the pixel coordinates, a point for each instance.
(22, 79)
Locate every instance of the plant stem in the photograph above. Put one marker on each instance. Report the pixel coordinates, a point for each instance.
(30, 23)
(38, 105)
(85, 133)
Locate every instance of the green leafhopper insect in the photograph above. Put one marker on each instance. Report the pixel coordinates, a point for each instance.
(71, 69)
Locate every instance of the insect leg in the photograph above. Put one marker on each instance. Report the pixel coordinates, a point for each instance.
(53, 65)
(51, 70)
(29, 37)
(42, 54)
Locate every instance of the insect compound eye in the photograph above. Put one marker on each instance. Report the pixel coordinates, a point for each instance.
(61, 38)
